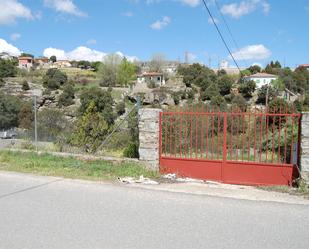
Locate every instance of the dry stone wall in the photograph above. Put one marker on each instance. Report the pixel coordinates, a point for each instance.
(149, 137)
(305, 146)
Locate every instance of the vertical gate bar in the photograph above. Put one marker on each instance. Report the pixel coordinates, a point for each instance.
(218, 134)
(243, 136)
(273, 139)
(231, 135)
(212, 135)
(160, 137)
(180, 133)
(238, 125)
(285, 137)
(279, 138)
(202, 133)
(196, 131)
(292, 142)
(186, 134)
(249, 135)
(191, 131)
(207, 131)
(224, 156)
(267, 130)
(170, 148)
(260, 137)
(175, 131)
(254, 137)
(165, 134)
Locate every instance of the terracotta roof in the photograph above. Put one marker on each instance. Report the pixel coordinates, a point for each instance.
(262, 75)
(304, 65)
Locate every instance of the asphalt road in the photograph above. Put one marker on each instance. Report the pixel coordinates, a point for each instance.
(39, 213)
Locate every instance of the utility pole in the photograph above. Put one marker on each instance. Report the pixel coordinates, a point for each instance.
(35, 123)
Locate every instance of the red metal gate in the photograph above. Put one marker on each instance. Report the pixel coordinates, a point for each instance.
(236, 147)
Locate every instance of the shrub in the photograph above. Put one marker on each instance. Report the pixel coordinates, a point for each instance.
(120, 108)
(54, 78)
(25, 86)
(247, 88)
(2, 82)
(67, 97)
(131, 151)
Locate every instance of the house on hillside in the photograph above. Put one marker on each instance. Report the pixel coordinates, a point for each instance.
(42, 62)
(261, 79)
(304, 66)
(62, 64)
(156, 78)
(25, 62)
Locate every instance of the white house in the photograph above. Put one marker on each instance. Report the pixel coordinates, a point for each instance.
(261, 79)
(157, 78)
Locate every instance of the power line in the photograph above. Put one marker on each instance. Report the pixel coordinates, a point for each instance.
(227, 27)
(221, 36)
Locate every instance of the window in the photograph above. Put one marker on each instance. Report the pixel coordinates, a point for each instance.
(159, 79)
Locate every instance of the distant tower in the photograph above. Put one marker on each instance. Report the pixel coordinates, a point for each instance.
(224, 64)
(187, 57)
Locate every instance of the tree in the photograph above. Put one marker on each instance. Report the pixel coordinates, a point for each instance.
(54, 78)
(126, 73)
(9, 110)
(121, 108)
(25, 86)
(210, 92)
(225, 84)
(273, 67)
(247, 88)
(103, 101)
(262, 94)
(239, 102)
(157, 63)
(27, 55)
(109, 70)
(90, 130)
(26, 117)
(52, 124)
(255, 69)
(7, 69)
(53, 58)
(68, 96)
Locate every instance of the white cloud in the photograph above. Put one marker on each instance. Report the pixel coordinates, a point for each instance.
(160, 24)
(191, 57)
(237, 10)
(65, 6)
(81, 53)
(15, 36)
(210, 21)
(12, 10)
(191, 3)
(128, 14)
(92, 42)
(8, 48)
(252, 52)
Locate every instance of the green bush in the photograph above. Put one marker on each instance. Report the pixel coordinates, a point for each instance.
(25, 86)
(131, 151)
(120, 108)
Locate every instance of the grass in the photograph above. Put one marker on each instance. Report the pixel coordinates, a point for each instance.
(302, 189)
(49, 165)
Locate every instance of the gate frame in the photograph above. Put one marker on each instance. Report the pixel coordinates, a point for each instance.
(231, 171)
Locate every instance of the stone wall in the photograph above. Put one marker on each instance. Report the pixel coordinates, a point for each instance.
(149, 137)
(305, 146)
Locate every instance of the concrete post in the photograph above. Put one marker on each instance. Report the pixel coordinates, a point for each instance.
(305, 146)
(149, 137)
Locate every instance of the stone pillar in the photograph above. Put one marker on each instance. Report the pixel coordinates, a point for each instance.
(149, 137)
(305, 146)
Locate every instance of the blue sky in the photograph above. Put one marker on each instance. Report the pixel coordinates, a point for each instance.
(78, 29)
